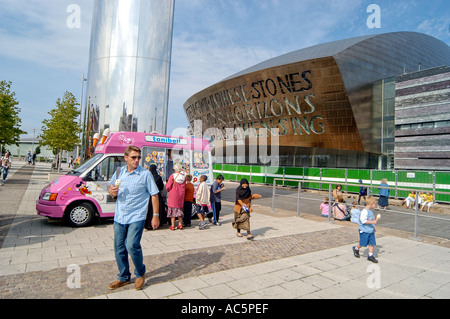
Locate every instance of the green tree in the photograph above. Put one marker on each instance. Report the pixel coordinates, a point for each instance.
(9, 116)
(61, 131)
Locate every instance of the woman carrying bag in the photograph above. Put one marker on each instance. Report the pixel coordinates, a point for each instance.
(176, 186)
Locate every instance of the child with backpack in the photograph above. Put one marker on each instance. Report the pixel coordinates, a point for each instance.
(367, 222)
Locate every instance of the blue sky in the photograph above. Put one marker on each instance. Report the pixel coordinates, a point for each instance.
(212, 40)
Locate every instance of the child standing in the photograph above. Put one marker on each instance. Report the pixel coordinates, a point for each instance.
(367, 229)
(188, 199)
(216, 204)
(202, 201)
(324, 207)
(362, 191)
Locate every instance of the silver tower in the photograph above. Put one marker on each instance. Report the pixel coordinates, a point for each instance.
(129, 66)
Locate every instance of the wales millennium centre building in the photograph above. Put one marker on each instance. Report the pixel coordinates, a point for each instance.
(330, 105)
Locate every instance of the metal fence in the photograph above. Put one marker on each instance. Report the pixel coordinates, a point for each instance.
(371, 191)
(435, 182)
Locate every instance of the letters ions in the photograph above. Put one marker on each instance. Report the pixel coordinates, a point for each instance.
(284, 102)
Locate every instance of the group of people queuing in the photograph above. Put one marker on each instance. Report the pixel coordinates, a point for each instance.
(140, 205)
(183, 199)
(176, 208)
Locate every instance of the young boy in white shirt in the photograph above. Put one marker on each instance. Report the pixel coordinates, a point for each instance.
(202, 198)
(367, 229)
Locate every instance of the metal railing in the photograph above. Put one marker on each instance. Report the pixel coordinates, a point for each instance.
(430, 180)
(369, 187)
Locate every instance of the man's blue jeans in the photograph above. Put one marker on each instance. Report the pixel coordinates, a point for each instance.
(127, 240)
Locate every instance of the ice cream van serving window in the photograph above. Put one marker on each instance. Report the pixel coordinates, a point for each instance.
(201, 159)
(154, 156)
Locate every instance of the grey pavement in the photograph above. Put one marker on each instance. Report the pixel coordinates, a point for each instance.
(433, 224)
(291, 257)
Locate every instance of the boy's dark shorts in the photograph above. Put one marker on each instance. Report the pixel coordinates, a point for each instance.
(199, 209)
(367, 239)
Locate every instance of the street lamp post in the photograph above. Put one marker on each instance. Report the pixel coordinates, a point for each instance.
(81, 108)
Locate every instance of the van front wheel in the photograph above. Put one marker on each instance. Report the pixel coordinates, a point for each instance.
(80, 215)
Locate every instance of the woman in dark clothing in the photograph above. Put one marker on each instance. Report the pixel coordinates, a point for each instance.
(243, 208)
(162, 216)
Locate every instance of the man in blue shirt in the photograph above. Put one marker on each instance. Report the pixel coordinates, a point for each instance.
(133, 188)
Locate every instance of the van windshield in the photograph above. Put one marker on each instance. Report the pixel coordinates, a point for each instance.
(86, 165)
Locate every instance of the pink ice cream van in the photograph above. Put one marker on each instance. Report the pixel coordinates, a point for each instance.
(82, 194)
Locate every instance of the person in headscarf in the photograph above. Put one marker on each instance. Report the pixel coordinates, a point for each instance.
(162, 216)
(243, 208)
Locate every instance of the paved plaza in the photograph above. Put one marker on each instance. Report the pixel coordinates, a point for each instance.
(291, 257)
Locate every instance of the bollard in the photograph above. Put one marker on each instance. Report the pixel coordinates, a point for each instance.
(273, 195)
(298, 200)
(329, 203)
(416, 218)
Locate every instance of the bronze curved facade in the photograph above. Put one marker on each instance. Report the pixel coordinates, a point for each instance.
(330, 103)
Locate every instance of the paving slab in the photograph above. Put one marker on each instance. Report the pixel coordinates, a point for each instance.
(291, 257)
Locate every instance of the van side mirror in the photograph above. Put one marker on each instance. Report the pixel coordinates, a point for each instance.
(88, 178)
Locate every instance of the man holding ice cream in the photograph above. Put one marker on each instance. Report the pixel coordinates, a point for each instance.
(133, 187)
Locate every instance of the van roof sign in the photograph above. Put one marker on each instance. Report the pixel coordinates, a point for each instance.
(166, 140)
(117, 142)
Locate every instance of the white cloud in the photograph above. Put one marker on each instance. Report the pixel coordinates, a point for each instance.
(232, 35)
(41, 55)
(198, 65)
(213, 39)
(438, 27)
